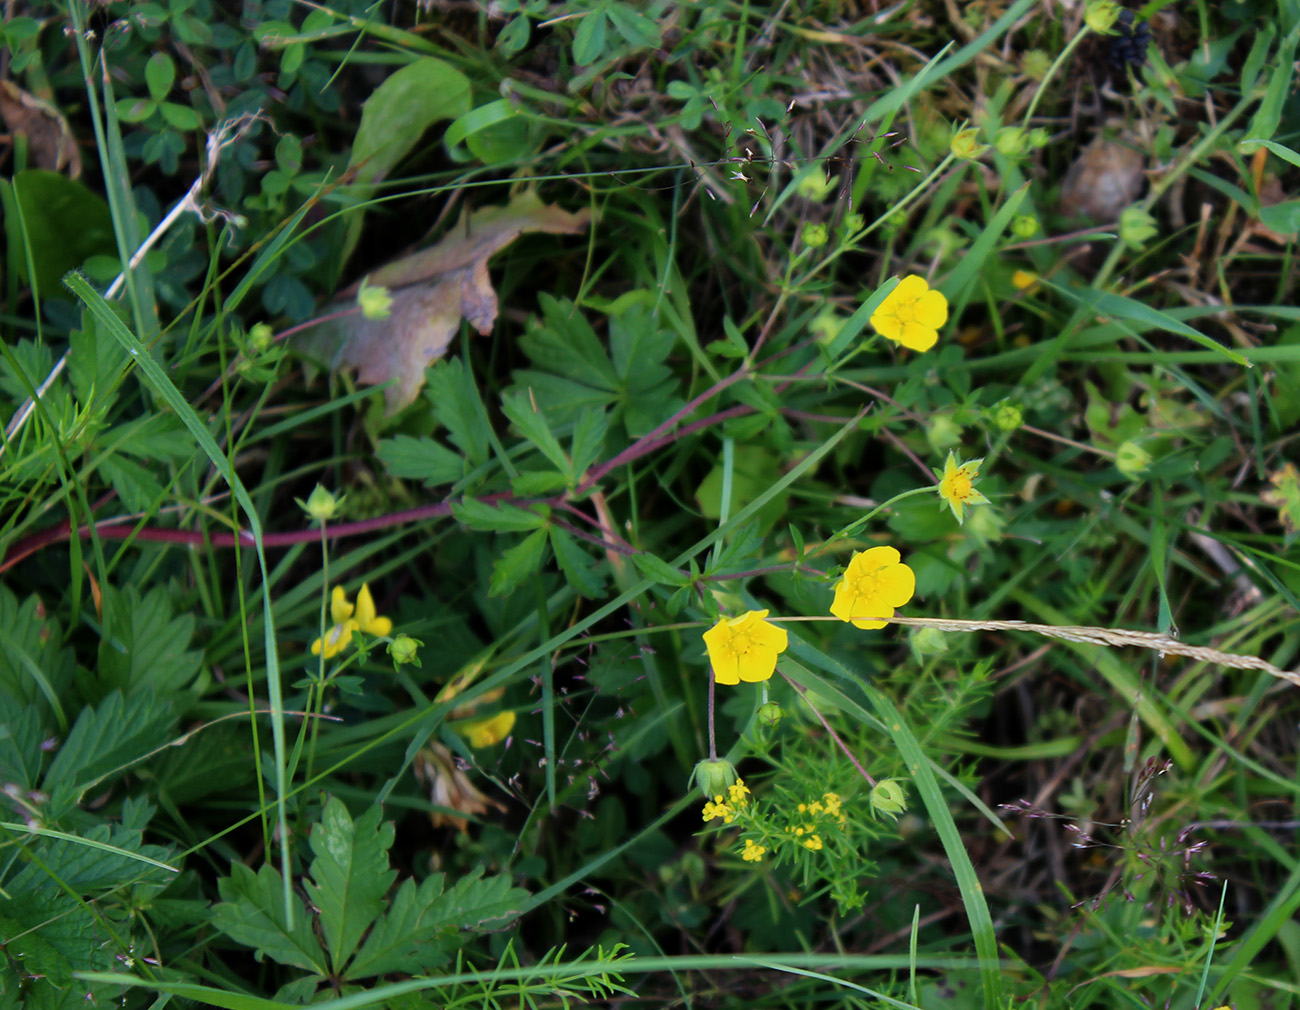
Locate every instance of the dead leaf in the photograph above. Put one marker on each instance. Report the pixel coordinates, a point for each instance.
(49, 140)
(432, 290)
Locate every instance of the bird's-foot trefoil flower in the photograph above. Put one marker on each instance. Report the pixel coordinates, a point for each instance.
(875, 582)
(957, 486)
(744, 648)
(348, 618)
(911, 314)
(488, 731)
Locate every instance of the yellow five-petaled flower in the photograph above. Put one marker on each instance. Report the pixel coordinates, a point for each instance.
(348, 619)
(911, 314)
(744, 648)
(875, 582)
(957, 485)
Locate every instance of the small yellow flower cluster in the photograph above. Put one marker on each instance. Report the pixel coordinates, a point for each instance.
(829, 807)
(753, 852)
(347, 619)
(726, 806)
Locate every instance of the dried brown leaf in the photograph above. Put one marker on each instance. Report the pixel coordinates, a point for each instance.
(432, 291)
(49, 140)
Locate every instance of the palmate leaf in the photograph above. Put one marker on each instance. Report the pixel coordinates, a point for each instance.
(148, 645)
(350, 874)
(252, 912)
(422, 923)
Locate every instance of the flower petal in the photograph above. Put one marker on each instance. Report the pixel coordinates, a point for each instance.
(886, 324)
(340, 608)
(910, 288)
(916, 337)
(932, 309)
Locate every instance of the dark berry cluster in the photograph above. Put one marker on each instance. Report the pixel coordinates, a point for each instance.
(1129, 47)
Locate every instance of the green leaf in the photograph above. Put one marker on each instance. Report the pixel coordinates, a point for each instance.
(148, 648)
(514, 36)
(637, 29)
(457, 405)
(1269, 113)
(538, 483)
(20, 744)
(500, 518)
(1121, 307)
(160, 75)
(589, 40)
(181, 117)
(36, 669)
(518, 563)
(421, 459)
(588, 439)
(252, 912)
(577, 565)
(756, 469)
(63, 224)
(135, 110)
(407, 938)
(531, 423)
(350, 874)
(109, 737)
(136, 486)
(657, 570)
(159, 436)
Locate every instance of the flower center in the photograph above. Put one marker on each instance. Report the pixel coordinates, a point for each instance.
(905, 312)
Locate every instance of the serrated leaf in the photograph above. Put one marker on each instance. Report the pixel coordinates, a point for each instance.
(405, 940)
(350, 875)
(518, 563)
(531, 422)
(252, 912)
(20, 744)
(501, 518)
(421, 459)
(577, 565)
(154, 436)
(459, 408)
(138, 488)
(655, 568)
(109, 737)
(148, 645)
(743, 549)
(588, 438)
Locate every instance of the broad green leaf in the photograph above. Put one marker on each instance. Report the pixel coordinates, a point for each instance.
(421, 459)
(588, 439)
(63, 223)
(458, 406)
(253, 912)
(350, 875)
(109, 737)
(756, 469)
(150, 647)
(160, 75)
(518, 563)
(578, 566)
(501, 517)
(21, 736)
(35, 667)
(636, 29)
(154, 437)
(589, 39)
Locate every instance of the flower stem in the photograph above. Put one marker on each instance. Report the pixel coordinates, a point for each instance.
(713, 745)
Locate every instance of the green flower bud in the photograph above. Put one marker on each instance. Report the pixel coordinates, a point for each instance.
(888, 799)
(927, 642)
(815, 186)
(965, 144)
(1039, 137)
(1101, 15)
(1007, 416)
(1131, 459)
(853, 223)
(1010, 141)
(260, 337)
(1024, 226)
(814, 235)
(403, 649)
(321, 505)
(827, 326)
(1135, 227)
(769, 713)
(714, 778)
(375, 302)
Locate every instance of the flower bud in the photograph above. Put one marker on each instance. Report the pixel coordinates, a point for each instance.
(1131, 459)
(714, 778)
(927, 642)
(1024, 226)
(1007, 416)
(965, 144)
(888, 798)
(375, 301)
(1135, 227)
(321, 505)
(769, 713)
(1010, 141)
(1101, 16)
(260, 337)
(403, 649)
(814, 235)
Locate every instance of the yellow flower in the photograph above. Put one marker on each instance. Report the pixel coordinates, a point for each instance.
(744, 648)
(753, 852)
(912, 314)
(1023, 279)
(957, 486)
(341, 612)
(488, 731)
(718, 808)
(875, 582)
(738, 793)
(813, 842)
